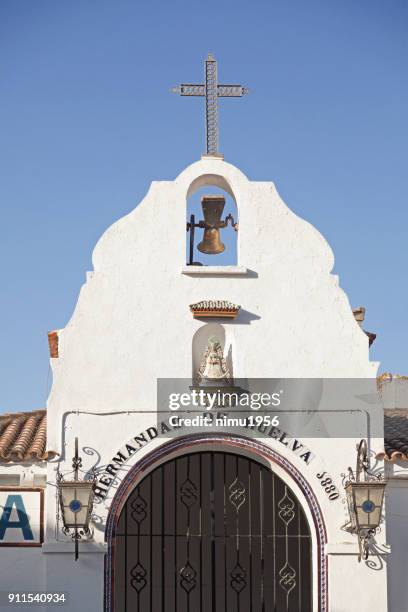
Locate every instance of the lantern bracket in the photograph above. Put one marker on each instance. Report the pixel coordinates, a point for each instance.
(362, 467)
(364, 539)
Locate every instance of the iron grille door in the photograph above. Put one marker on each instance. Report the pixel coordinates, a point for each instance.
(212, 532)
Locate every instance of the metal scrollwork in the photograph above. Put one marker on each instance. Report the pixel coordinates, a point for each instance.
(138, 506)
(362, 466)
(138, 573)
(237, 495)
(188, 577)
(287, 577)
(92, 452)
(238, 578)
(286, 508)
(188, 493)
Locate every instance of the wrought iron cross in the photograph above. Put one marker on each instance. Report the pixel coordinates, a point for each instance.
(211, 91)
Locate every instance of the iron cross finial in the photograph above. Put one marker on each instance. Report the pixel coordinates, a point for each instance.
(211, 91)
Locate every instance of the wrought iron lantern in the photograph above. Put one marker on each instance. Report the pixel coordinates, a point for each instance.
(76, 501)
(365, 500)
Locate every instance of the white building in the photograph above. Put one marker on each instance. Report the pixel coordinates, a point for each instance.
(221, 519)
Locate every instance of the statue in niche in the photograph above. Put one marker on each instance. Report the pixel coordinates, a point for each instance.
(213, 368)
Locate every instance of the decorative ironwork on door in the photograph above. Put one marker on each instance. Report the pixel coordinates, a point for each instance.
(212, 532)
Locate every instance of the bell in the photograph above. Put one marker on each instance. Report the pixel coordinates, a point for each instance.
(212, 210)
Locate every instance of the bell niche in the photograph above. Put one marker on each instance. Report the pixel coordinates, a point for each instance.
(212, 232)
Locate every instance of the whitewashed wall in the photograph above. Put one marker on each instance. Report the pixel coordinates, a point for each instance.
(132, 324)
(136, 301)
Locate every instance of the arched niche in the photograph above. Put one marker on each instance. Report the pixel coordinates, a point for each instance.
(208, 180)
(200, 341)
(210, 191)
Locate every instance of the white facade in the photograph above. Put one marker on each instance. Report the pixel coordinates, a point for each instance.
(132, 325)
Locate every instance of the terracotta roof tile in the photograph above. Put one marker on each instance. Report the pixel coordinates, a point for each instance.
(23, 437)
(359, 315)
(221, 308)
(395, 436)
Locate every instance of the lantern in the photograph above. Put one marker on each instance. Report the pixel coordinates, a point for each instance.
(365, 500)
(76, 501)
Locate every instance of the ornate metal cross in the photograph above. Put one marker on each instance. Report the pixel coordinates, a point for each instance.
(211, 91)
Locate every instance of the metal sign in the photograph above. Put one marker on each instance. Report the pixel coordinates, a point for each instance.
(21, 516)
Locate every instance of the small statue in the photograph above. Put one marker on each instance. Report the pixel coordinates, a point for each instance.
(213, 368)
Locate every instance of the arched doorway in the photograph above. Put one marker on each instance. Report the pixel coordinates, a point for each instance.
(212, 531)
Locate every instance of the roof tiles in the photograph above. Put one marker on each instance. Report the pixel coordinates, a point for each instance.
(395, 436)
(23, 437)
(215, 308)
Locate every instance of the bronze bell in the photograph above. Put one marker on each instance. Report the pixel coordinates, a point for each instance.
(212, 210)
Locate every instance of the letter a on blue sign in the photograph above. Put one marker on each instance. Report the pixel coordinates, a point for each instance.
(23, 523)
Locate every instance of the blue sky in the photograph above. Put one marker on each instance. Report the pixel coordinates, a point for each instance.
(87, 121)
